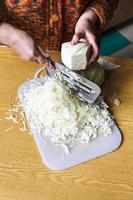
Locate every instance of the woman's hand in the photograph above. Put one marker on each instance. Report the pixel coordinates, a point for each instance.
(22, 43)
(85, 31)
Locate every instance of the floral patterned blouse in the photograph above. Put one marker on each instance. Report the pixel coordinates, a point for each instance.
(51, 22)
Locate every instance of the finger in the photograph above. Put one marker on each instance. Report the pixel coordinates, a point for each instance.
(38, 55)
(33, 60)
(94, 44)
(44, 53)
(82, 40)
(76, 38)
(41, 59)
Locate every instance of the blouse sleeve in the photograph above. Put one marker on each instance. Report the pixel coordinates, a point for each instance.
(1, 16)
(4, 15)
(104, 10)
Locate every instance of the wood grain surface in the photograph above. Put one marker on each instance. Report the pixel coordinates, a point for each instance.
(22, 173)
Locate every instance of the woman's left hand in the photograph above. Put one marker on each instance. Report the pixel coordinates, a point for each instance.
(85, 31)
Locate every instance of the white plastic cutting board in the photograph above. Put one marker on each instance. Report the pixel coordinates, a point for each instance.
(58, 159)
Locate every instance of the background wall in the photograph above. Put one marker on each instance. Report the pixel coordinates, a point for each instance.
(123, 12)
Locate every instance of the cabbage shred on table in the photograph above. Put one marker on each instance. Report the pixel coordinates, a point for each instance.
(59, 115)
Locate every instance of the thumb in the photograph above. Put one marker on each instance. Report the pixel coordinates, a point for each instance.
(76, 38)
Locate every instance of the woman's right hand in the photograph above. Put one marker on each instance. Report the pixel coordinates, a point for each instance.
(22, 43)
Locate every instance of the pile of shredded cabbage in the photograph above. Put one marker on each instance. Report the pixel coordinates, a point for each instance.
(58, 114)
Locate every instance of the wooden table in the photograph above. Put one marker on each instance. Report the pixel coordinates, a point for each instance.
(22, 173)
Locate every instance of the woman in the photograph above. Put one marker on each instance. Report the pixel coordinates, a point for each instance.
(33, 26)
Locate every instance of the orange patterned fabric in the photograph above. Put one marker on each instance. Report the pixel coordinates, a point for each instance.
(52, 22)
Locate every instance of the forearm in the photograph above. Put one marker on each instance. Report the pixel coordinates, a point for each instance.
(5, 28)
(7, 33)
(104, 9)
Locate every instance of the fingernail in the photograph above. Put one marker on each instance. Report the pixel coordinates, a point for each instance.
(47, 55)
(72, 43)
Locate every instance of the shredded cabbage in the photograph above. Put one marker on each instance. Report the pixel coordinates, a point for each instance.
(58, 114)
